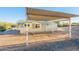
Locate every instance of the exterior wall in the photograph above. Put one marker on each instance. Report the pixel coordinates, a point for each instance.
(44, 27)
(33, 30)
(22, 29)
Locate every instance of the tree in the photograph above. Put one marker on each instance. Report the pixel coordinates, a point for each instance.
(2, 28)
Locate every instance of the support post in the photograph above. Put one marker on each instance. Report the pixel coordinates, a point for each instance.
(70, 33)
(27, 34)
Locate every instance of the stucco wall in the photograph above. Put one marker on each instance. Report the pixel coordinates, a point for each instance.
(44, 27)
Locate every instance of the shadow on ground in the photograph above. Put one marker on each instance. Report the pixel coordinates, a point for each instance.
(67, 45)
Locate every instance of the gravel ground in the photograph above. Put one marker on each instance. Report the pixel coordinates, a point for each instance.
(66, 45)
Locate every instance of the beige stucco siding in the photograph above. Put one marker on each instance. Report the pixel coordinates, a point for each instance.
(44, 27)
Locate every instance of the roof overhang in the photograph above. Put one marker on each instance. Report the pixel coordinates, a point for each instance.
(40, 15)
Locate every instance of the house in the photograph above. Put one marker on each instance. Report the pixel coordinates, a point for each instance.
(41, 26)
(38, 26)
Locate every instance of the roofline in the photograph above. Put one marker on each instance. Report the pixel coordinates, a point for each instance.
(53, 11)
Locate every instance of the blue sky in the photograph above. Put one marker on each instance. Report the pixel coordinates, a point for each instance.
(14, 14)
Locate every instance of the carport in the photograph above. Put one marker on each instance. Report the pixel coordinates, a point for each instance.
(45, 15)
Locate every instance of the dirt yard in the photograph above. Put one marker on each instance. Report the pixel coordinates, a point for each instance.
(37, 42)
(12, 39)
(19, 39)
(55, 36)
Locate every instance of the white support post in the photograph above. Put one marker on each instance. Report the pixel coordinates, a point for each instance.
(70, 33)
(27, 34)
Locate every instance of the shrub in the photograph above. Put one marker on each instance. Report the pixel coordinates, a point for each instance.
(2, 28)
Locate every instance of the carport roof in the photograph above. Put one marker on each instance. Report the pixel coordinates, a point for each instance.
(38, 14)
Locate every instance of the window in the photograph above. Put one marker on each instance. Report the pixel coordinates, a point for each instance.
(27, 25)
(37, 25)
